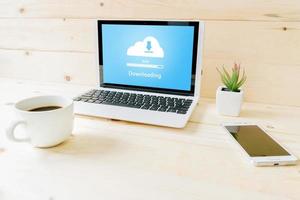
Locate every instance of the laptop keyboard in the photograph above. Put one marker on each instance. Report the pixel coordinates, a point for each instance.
(138, 101)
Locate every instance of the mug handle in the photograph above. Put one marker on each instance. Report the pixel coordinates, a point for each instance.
(10, 130)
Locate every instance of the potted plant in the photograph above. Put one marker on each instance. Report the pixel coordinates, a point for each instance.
(229, 97)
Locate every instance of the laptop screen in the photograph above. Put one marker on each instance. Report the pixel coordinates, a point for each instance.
(149, 56)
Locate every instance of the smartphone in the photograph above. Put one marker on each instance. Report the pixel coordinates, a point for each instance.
(260, 147)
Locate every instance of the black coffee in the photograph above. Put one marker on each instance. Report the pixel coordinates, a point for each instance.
(45, 108)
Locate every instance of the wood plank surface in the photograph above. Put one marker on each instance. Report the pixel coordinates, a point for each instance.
(51, 49)
(52, 42)
(273, 10)
(123, 160)
(49, 66)
(269, 52)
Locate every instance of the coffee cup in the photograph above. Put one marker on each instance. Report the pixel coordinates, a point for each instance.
(46, 120)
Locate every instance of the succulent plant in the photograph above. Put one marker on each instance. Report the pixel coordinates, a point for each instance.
(234, 80)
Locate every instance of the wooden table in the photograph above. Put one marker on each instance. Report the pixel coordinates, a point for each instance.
(107, 159)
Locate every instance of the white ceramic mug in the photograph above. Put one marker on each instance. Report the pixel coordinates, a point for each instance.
(43, 128)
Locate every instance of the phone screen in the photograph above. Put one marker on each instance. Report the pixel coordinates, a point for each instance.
(255, 141)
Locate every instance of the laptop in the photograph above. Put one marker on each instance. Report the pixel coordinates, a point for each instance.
(149, 72)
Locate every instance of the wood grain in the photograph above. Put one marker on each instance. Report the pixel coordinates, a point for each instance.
(123, 160)
(77, 68)
(53, 35)
(269, 52)
(274, 10)
(51, 49)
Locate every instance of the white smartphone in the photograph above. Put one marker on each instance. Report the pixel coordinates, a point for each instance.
(260, 147)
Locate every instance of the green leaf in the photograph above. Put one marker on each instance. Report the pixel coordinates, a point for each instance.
(225, 81)
(232, 81)
(241, 82)
(224, 78)
(238, 68)
(226, 73)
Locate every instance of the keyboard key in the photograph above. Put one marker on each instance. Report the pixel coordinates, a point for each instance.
(172, 110)
(132, 100)
(146, 107)
(162, 109)
(154, 107)
(77, 99)
(181, 112)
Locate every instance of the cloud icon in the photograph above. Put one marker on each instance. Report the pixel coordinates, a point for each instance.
(149, 47)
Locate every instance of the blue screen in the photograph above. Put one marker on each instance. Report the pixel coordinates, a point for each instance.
(148, 55)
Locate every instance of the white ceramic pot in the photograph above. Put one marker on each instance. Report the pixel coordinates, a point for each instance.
(229, 103)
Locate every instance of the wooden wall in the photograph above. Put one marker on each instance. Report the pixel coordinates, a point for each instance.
(54, 40)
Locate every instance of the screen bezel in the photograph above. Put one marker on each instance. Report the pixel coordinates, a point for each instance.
(264, 132)
(265, 160)
(190, 92)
